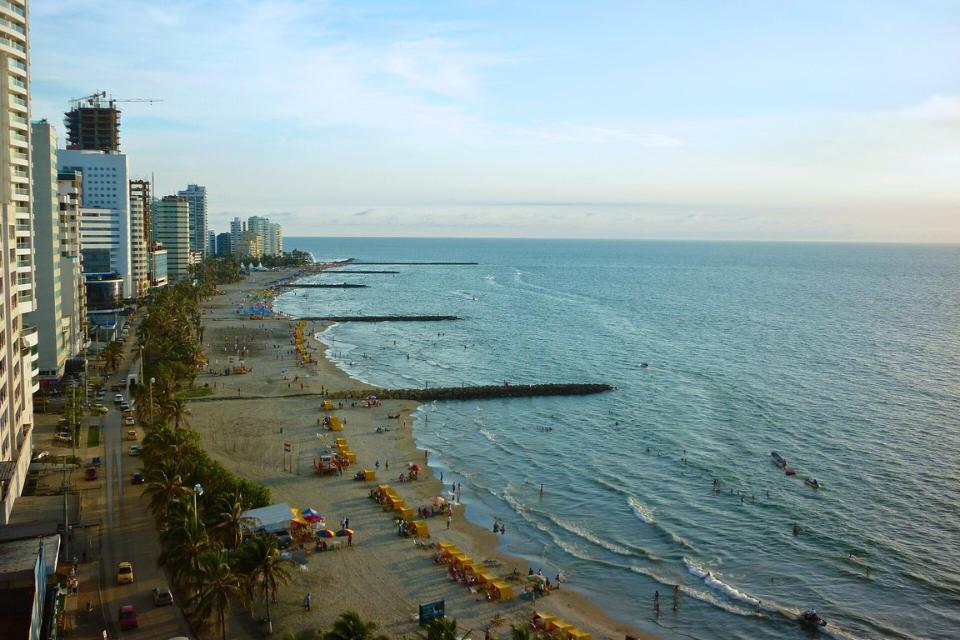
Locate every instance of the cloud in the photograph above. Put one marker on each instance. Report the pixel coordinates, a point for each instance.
(365, 212)
(938, 108)
(597, 135)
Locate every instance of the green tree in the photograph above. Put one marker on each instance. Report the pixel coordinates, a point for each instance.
(184, 543)
(230, 523)
(218, 586)
(262, 571)
(349, 626)
(164, 487)
(519, 632)
(442, 629)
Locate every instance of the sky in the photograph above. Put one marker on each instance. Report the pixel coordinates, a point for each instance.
(754, 120)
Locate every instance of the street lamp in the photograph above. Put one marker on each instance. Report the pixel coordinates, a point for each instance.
(197, 491)
(152, 380)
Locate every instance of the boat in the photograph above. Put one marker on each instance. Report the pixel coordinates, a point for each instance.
(812, 482)
(790, 472)
(778, 459)
(811, 619)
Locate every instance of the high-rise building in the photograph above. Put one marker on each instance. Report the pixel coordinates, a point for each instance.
(250, 246)
(53, 328)
(196, 196)
(271, 234)
(170, 224)
(93, 125)
(223, 244)
(139, 235)
(72, 287)
(106, 191)
(211, 243)
(17, 340)
(157, 256)
(237, 228)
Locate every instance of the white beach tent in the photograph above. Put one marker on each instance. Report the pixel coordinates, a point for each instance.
(272, 518)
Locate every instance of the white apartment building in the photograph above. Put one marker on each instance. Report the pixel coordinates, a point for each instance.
(52, 326)
(271, 235)
(105, 188)
(170, 224)
(237, 229)
(196, 197)
(17, 341)
(72, 287)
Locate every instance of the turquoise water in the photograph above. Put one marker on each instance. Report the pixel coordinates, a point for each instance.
(844, 358)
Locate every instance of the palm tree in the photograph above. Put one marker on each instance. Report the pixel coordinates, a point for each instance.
(218, 586)
(230, 521)
(521, 632)
(164, 487)
(177, 410)
(442, 629)
(349, 626)
(164, 443)
(184, 543)
(263, 570)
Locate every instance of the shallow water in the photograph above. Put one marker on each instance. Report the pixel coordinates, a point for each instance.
(844, 358)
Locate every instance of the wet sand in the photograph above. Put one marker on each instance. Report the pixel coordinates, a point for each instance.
(383, 577)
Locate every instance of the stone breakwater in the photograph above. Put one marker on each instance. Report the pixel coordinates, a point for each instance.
(474, 393)
(379, 318)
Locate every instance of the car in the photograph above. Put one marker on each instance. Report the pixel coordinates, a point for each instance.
(39, 455)
(118, 398)
(131, 434)
(129, 421)
(137, 478)
(134, 449)
(127, 413)
(128, 617)
(62, 437)
(124, 573)
(90, 473)
(284, 540)
(99, 406)
(125, 406)
(162, 596)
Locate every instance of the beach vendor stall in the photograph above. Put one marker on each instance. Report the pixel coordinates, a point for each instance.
(499, 590)
(326, 405)
(578, 634)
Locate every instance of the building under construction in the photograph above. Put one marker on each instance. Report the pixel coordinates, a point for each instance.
(93, 124)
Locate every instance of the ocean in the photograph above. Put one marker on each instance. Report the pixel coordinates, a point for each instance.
(844, 358)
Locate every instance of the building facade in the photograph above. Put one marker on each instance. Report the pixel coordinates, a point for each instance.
(72, 288)
(271, 235)
(106, 187)
(250, 246)
(53, 328)
(17, 340)
(170, 223)
(158, 265)
(237, 228)
(224, 241)
(196, 197)
(139, 216)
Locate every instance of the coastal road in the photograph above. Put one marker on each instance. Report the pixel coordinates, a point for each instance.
(130, 535)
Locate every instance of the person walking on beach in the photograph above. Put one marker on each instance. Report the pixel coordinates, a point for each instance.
(306, 601)
(449, 520)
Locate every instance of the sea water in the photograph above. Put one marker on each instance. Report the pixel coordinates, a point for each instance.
(843, 358)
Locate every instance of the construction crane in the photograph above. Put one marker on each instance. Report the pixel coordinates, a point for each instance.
(93, 100)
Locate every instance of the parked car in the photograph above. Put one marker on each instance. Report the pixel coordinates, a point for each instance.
(62, 437)
(137, 478)
(134, 449)
(124, 573)
(162, 596)
(132, 434)
(129, 421)
(39, 455)
(128, 617)
(118, 398)
(90, 473)
(100, 407)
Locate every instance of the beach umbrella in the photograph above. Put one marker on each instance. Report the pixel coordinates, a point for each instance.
(343, 533)
(414, 467)
(326, 533)
(310, 515)
(539, 579)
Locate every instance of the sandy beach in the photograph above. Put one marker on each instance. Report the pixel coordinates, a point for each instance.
(382, 576)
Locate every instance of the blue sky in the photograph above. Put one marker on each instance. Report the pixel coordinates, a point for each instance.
(731, 120)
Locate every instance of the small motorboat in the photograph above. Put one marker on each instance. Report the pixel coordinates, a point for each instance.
(778, 459)
(811, 619)
(812, 482)
(790, 472)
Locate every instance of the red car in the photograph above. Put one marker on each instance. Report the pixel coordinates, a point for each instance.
(90, 473)
(128, 617)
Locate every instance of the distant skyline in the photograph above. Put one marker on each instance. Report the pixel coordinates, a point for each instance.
(699, 120)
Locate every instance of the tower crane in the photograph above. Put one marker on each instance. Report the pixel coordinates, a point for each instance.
(93, 100)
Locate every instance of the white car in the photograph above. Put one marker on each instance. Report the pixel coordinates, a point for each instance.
(117, 399)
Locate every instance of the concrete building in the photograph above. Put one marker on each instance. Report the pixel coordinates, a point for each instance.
(53, 327)
(139, 235)
(211, 243)
(170, 222)
(271, 234)
(29, 601)
(250, 246)
(196, 196)
(17, 340)
(93, 124)
(237, 229)
(157, 256)
(106, 187)
(224, 241)
(72, 289)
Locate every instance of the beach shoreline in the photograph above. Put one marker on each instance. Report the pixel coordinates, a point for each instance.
(245, 432)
